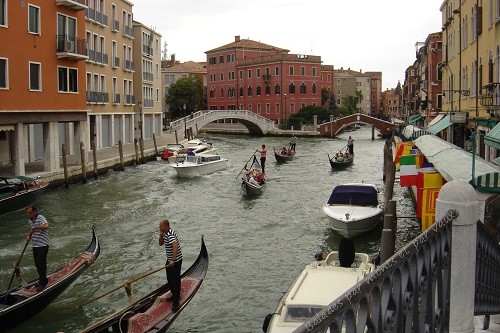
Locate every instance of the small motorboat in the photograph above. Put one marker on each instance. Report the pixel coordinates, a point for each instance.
(353, 209)
(153, 312)
(339, 162)
(320, 283)
(199, 165)
(18, 192)
(254, 181)
(284, 155)
(20, 303)
(178, 154)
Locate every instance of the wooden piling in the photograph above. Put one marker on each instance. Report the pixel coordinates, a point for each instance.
(141, 141)
(120, 149)
(386, 247)
(136, 147)
(176, 138)
(94, 156)
(156, 147)
(65, 165)
(83, 162)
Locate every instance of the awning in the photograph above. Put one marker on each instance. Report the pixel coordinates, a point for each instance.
(411, 132)
(415, 118)
(492, 138)
(440, 125)
(489, 183)
(6, 128)
(436, 119)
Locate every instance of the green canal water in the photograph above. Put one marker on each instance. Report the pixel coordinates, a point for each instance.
(256, 246)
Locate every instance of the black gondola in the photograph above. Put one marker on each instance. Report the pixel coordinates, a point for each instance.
(340, 163)
(249, 187)
(282, 158)
(153, 313)
(18, 192)
(19, 304)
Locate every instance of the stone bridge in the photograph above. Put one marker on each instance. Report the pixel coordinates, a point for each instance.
(333, 127)
(255, 123)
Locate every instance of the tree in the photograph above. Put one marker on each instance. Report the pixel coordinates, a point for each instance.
(186, 91)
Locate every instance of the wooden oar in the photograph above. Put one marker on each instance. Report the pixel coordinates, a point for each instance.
(16, 265)
(126, 285)
(256, 150)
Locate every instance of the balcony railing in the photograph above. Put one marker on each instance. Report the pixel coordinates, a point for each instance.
(490, 97)
(71, 47)
(97, 97)
(129, 65)
(116, 25)
(129, 99)
(116, 98)
(128, 31)
(147, 50)
(97, 17)
(116, 62)
(98, 57)
(147, 76)
(73, 4)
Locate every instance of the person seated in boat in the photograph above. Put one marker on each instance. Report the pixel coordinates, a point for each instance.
(289, 152)
(251, 180)
(347, 252)
(283, 151)
(339, 158)
(191, 152)
(260, 178)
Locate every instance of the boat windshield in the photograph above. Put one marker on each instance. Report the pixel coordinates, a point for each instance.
(301, 312)
(191, 159)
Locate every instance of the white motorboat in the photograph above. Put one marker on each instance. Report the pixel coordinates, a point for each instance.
(320, 283)
(353, 209)
(198, 165)
(178, 154)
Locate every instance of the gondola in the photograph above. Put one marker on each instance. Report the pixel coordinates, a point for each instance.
(20, 303)
(280, 158)
(338, 164)
(252, 188)
(152, 313)
(18, 192)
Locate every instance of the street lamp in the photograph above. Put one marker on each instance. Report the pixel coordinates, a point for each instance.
(185, 130)
(139, 122)
(284, 95)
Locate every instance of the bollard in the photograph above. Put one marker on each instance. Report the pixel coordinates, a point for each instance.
(136, 147)
(156, 147)
(94, 156)
(65, 165)
(84, 163)
(120, 149)
(386, 245)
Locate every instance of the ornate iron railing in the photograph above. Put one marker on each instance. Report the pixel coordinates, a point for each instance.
(410, 292)
(487, 297)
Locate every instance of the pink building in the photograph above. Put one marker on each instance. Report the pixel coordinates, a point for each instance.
(265, 79)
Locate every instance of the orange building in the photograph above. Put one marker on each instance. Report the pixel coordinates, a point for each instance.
(42, 81)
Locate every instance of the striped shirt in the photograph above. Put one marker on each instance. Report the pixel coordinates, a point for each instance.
(39, 238)
(168, 239)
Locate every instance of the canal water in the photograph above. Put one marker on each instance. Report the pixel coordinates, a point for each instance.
(256, 246)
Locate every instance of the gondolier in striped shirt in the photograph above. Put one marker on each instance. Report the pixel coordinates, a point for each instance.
(169, 239)
(38, 232)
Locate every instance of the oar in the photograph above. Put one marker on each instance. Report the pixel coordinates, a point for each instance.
(256, 150)
(16, 266)
(126, 285)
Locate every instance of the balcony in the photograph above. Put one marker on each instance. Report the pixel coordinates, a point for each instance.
(71, 47)
(147, 50)
(128, 65)
(95, 97)
(73, 4)
(97, 57)
(116, 25)
(95, 16)
(116, 98)
(490, 96)
(116, 62)
(147, 76)
(128, 31)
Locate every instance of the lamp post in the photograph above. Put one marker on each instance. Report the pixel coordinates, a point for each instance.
(139, 122)
(284, 95)
(184, 113)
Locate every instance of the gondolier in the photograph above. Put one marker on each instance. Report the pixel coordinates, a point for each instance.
(169, 239)
(263, 153)
(293, 143)
(40, 240)
(350, 145)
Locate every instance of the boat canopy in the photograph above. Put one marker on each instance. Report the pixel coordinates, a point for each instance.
(357, 195)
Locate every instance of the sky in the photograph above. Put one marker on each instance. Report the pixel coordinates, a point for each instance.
(363, 35)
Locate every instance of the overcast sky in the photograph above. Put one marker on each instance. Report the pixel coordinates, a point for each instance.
(365, 35)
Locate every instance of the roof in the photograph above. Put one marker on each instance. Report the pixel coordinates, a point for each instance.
(247, 44)
(441, 125)
(454, 163)
(186, 67)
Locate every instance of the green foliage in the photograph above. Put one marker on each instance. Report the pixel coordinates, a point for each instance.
(306, 114)
(186, 91)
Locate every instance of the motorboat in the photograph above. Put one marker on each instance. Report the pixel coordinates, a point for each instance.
(353, 209)
(200, 164)
(178, 154)
(254, 181)
(18, 192)
(321, 282)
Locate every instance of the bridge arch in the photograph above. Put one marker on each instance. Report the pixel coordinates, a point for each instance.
(332, 128)
(255, 123)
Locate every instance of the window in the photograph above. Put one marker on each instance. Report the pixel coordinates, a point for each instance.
(313, 71)
(249, 73)
(258, 72)
(33, 19)
(66, 30)
(302, 70)
(268, 90)
(290, 70)
(258, 93)
(241, 91)
(303, 88)
(277, 89)
(291, 88)
(241, 75)
(221, 59)
(68, 79)
(35, 75)
(3, 12)
(249, 91)
(222, 76)
(268, 108)
(314, 88)
(4, 78)
(276, 71)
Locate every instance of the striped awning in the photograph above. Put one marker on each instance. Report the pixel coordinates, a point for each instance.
(415, 118)
(492, 138)
(489, 182)
(436, 119)
(411, 132)
(440, 125)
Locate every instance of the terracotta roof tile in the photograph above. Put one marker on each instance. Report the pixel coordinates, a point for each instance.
(187, 67)
(249, 45)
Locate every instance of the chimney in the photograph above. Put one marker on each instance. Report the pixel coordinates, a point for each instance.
(172, 59)
(236, 38)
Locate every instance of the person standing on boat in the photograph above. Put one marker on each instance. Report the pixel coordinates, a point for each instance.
(263, 153)
(350, 145)
(40, 240)
(293, 143)
(168, 238)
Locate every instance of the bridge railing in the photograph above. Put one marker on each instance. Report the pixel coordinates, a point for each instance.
(207, 116)
(409, 292)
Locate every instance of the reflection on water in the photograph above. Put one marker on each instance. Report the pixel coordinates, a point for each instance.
(256, 246)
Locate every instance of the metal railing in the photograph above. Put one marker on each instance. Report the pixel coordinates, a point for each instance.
(410, 292)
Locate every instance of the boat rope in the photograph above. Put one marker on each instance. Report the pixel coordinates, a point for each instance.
(121, 318)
